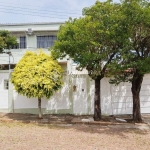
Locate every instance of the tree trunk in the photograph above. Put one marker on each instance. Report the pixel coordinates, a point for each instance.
(39, 105)
(136, 87)
(97, 101)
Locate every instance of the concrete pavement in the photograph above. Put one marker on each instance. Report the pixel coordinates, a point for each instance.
(66, 120)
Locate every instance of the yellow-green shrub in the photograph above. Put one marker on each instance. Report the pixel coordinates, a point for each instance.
(37, 75)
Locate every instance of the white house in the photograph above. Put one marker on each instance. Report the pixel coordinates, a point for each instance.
(77, 94)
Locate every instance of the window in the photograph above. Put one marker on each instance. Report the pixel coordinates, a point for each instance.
(6, 84)
(22, 43)
(45, 41)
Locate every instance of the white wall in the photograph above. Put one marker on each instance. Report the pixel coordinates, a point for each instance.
(114, 99)
(118, 99)
(79, 95)
(3, 92)
(60, 100)
(121, 98)
(145, 94)
(106, 101)
(31, 41)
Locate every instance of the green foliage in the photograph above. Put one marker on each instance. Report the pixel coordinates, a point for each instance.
(92, 40)
(7, 41)
(133, 60)
(37, 75)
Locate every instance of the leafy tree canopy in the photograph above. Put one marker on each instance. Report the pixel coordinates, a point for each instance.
(7, 41)
(92, 40)
(133, 60)
(37, 75)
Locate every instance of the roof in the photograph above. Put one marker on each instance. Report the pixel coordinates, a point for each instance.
(35, 26)
(30, 23)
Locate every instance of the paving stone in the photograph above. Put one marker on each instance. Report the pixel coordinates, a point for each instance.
(65, 125)
(120, 120)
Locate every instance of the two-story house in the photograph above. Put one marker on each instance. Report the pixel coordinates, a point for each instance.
(32, 37)
(77, 94)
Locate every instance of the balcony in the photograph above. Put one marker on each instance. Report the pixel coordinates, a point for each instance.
(17, 54)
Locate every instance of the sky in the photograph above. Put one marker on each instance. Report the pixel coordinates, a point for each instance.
(27, 11)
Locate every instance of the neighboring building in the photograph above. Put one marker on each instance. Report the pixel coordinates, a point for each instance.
(77, 94)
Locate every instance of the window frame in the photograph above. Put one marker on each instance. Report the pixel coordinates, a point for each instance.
(22, 42)
(45, 41)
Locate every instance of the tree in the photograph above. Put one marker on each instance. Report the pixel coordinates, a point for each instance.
(7, 41)
(133, 60)
(92, 41)
(37, 75)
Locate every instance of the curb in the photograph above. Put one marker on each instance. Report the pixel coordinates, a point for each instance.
(47, 121)
(101, 123)
(64, 119)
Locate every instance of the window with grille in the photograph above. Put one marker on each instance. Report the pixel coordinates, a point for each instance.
(45, 41)
(22, 43)
(6, 84)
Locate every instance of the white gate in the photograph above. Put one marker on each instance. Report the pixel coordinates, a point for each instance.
(122, 102)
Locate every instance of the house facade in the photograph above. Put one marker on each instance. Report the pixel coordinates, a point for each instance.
(77, 94)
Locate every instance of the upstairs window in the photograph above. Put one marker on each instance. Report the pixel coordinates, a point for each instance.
(22, 42)
(45, 41)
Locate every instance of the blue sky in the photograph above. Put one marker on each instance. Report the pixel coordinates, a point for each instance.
(24, 11)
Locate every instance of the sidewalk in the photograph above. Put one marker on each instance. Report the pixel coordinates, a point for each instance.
(70, 119)
(55, 119)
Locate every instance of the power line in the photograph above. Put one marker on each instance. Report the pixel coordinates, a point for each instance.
(35, 10)
(30, 14)
(39, 6)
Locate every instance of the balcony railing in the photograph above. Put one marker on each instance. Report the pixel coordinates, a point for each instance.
(17, 54)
